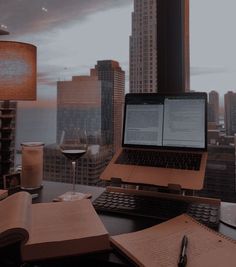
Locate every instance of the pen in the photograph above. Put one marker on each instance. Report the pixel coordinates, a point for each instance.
(183, 257)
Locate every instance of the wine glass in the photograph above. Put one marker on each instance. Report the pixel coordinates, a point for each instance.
(73, 145)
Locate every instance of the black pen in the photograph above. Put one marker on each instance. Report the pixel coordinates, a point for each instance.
(183, 256)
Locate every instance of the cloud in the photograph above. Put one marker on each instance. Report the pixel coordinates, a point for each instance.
(30, 16)
(207, 70)
(44, 78)
(50, 74)
(65, 32)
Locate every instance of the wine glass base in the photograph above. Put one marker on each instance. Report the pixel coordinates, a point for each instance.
(71, 196)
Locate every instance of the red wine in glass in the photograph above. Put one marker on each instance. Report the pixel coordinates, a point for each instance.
(73, 154)
(73, 145)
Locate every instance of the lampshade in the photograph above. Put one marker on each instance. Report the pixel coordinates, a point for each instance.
(17, 71)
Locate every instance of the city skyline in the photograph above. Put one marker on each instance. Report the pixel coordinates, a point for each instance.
(71, 41)
(212, 65)
(73, 35)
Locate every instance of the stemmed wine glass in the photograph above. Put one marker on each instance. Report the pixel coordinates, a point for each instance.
(73, 145)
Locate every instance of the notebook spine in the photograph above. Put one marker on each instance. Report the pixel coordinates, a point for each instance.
(213, 231)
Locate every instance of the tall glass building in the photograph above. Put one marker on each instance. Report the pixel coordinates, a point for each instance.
(230, 113)
(159, 46)
(214, 107)
(94, 103)
(80, 104)
(110, 71)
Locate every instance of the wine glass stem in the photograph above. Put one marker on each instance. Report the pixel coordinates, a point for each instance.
(73, 175)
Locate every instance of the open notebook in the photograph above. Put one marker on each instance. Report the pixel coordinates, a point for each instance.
(160, 245)
(164, 141)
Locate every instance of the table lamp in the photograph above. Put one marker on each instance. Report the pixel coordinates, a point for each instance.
(17, 82)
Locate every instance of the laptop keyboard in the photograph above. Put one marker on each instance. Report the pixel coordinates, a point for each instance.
(163, 159)
(161, 209)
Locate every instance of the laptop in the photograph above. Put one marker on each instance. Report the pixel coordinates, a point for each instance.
(164, 141)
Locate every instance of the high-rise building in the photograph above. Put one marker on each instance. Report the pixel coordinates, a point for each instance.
(88, 168)
(93, 103)
(159, 46)
(230, 113)
(85, 102)
(143, 48)
(210, 113)
(214, 107)
(110, 71)
(220, 173)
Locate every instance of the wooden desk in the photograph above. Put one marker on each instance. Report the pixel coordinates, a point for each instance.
(115, 224)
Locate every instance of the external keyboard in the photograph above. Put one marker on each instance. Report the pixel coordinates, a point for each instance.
(161, 209)
(163, 159)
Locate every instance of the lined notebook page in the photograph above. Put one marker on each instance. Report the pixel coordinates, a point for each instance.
(160, 245)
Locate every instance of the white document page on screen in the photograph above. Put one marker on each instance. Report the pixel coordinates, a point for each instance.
(184, 123)
(143, 125)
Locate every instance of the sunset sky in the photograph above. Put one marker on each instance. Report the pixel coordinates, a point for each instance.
(71, 35)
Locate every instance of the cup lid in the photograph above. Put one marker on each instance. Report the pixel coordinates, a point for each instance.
(32, 144)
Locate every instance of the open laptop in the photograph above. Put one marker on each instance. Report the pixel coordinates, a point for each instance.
(164, 141)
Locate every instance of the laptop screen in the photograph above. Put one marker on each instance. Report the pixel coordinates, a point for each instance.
(170, 121)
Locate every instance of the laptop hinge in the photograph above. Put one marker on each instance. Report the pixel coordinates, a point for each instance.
(174, 188)
(116, 182)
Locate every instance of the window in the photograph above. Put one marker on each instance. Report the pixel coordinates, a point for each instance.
(211, 55)
(206, 59)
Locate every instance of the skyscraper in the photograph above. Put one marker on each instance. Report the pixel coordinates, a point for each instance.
(230, 113)
(143, 47)
(110, 71)
(94, 103)
(81, 103)
(220, 173)
(88, 168)
(159, 46)
(214, 106)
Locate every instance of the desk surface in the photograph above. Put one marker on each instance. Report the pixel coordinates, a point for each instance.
(115, 224)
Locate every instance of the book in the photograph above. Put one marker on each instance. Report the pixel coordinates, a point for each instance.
(160, 245)
(3, 193)
(51, 230)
